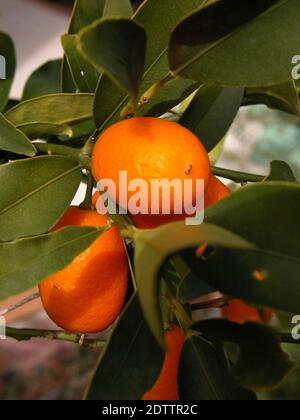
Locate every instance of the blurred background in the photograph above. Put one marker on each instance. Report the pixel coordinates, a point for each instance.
(52, 370)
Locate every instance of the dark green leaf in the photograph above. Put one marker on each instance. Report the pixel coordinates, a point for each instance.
(13, 140)
(45, 80)
(262, 364)
(26, 262)
(212, 112)
(204, 374)
(283, 97)
(49, 110)
(83, 72)
(118, 8)
(265, 214)
(170, 95)
(44, 130)
(281, 171)
(35, 193)
(157, 17)
(118, 47)
(7, 51)
(259, 277)
(234, 43)
(152, 249)
(132, 360)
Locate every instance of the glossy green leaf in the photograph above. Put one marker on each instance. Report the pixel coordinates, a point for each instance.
(283, 97)
(83, 72)
(281, 171)
(118, 47)
(84, 13)
(236, 43)
(13, 140)
(27, 261)
(35, 193)
(158, 19)
(152, 249)
(204, 374)
(58, 109)
(170, 95)
(44, 81)
(7, 51)
(131, 362)
(265, 214)
(261, 364)
(43, 130)
(211, 113)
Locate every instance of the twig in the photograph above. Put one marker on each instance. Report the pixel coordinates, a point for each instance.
(236, 176)
(28, 334)
(211, 304)
(18, 305)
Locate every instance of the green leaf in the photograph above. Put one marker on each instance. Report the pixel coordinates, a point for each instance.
(281, 171)
(13, 140)
(211, 113)
(152, 249)
(45, 80)
(7, 50)
(118, 8)
(283, 97)
(118, 47)
(262, 364)
(27, 261)
(258, 277)
(204, 374)
(131, 362)
(157, 17)
(84, 13)
(264, 214)
(170, 95)
(58, 109)
(83, 72)
(35, 193)
(44, 130)
(234, 43)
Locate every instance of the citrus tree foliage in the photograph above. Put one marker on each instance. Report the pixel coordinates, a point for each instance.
(227, 53)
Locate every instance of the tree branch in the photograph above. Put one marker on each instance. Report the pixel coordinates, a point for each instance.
(28, 334)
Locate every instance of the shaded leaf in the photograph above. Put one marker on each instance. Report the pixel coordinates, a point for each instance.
(281, 171)
(7, 51)
(211, 113)
(236, 43)
(131, 362)
(283, 97)
(152, 249)
(261, 364)
(26, 262)
(204, 374)
(44, 81)
(44, 130)
(13, 140)
(170, 95)
(117, 46)
(30, 204)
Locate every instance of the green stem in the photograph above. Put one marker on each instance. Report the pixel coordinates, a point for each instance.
(57, 149)
(87, 202)
(237, 176)
(28, 334)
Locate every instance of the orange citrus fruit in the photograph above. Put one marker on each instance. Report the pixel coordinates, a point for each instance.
(88, 295)
(151, 150)
(215, 192)
(166, 388)
(239, 312)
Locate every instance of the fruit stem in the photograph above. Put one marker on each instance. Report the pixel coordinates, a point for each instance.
(58, 149)
(236, 176)
(87, 202)
(28, 334)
